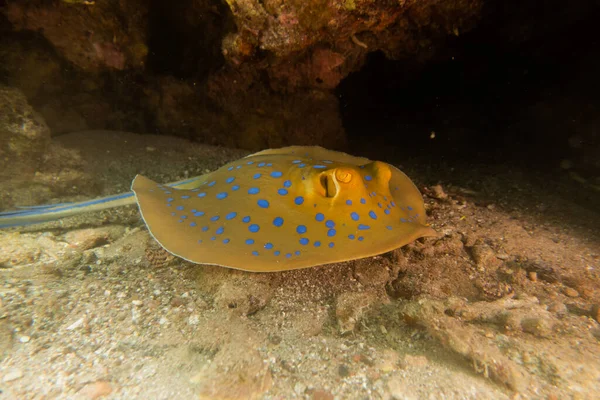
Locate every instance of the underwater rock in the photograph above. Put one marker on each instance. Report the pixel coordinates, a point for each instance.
(97, 36)
(25, 135)
(350, 308)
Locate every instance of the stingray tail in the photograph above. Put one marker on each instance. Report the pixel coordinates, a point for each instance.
(38, 214)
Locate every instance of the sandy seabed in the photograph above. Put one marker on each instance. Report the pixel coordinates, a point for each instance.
(504, 304)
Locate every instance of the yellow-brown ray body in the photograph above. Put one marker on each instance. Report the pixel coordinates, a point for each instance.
(285, 209)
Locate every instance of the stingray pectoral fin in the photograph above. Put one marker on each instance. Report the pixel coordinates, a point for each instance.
(156, 210)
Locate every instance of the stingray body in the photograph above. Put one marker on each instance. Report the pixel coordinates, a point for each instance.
(283, 209)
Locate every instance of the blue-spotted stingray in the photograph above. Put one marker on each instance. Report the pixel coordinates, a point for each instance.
(274, 210)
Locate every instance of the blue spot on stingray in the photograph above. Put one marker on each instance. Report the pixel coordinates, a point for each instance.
(327, 161)
(192, 224)
(297, 252)
(319, 166)
(296, 162)
(255, 253)
(269, 164)
(204, 228)
(262, 203)
(256, 176)
(230, 168)
(173, 214)
(201, 194)
(288, 255)
(249, 241)
(268, 246)
(231, 215)
(304, 241)
(246, 219)
(317, 244)
(387, 212)
(363, 227)
(361, 166)
(409, 208)
(276, 252)
(238, 167)
(393, 204)
(389, 227)
(329, 223)
(351, 237)
(360, 238)
(220, 230)
(331, 244)
(183, 217)
(372, 214)
(349, 202)
(250, 162)
(301, 229)
(167, 192)
(319, 217)
(354, 216)
(226, 241)
(253, 190)
(368, 177)
(276, 174)
(301, 165)
(183, 197)
(379, 205)
(179, 208)
(254, 228)
(213, 238)
(287, 183)
(168, 205)
(262, 164)
(230, 179)
(282, 192)
(215, 218)
(384, 198)
(299, 200)
(170, 199)
(222, 195)
(331, 232)
(403, 220)
(212, 184)
(278, 221)
(363, 201)
(235, 187)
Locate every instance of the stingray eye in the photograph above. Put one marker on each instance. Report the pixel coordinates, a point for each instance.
(343, 176)
(328, 184)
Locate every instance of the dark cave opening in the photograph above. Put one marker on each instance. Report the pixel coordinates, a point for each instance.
(184, 38)
(522, 88)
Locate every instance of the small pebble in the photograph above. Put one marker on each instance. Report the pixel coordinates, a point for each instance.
(96, 390)
(321, 395)
(75, 324)
(570, 292)
(438, 192)
(558, 308)
(137, 302)
(193, 319)
(299, 388)
(596, 312)
(343, 370)
(532, 276)
(12, 375)
(24, 339)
